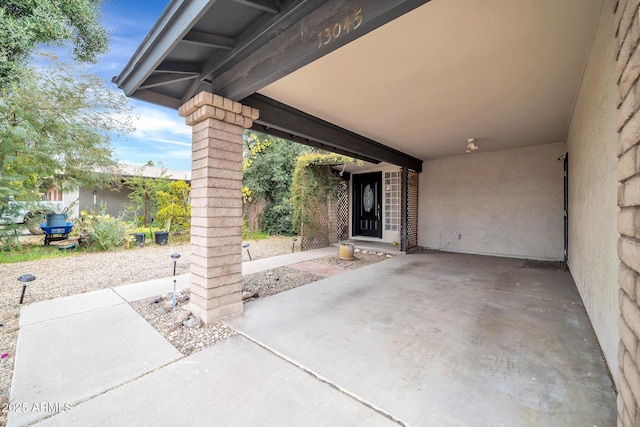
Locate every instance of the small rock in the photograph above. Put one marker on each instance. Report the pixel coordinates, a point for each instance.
(182, 315)
(389, 256)
(192, 322)
(183, 298)
(356, 250)
(156, 300)
(380, 254)
(246, 295)
(167, 307)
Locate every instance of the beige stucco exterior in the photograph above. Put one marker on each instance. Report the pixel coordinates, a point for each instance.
(505, 203)
(593, 210)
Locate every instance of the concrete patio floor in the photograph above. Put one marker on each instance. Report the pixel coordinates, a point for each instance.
(427, 339)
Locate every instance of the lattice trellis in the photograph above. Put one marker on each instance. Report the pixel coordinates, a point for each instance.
(342, 211)
(314, 228)
(412, 209)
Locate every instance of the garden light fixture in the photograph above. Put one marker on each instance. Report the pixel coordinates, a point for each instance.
(25, 279)
(174, 257)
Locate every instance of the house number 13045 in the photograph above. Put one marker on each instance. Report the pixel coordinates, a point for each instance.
(335, 30)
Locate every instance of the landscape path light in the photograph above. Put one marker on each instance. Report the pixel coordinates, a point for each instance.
(174, 257)
(246, 246)
(25, 279)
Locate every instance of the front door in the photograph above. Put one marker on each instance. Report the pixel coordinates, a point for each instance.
(367, 209)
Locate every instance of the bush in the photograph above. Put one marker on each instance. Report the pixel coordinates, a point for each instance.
(277, 218)
(103, 232)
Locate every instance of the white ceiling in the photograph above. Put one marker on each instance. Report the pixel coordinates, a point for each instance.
(503, 71)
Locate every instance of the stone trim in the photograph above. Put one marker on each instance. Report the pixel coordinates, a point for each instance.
(207, 105)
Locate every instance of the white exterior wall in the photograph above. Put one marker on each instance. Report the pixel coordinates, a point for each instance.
(593, 210)
(504, 203)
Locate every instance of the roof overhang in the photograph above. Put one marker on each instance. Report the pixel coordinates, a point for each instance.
(393, 81)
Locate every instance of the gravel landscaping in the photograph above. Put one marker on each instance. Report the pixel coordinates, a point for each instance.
(94, 271)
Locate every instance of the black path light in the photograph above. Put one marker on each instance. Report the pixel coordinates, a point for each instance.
(293, 244)
(25, 279)
(246, 246)
(174, 257)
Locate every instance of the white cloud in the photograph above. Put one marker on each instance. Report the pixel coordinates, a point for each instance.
(161, 125)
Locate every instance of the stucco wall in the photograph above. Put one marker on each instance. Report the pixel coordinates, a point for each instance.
(593, 233)
(115, 200)
(505, 203)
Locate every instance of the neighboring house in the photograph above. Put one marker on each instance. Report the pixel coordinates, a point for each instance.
(114, 199)
(549, 90)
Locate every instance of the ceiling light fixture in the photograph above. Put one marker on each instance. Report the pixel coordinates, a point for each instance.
(471, 145)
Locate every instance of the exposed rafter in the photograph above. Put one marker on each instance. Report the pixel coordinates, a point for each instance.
(163, 79)
(180, 67)
(157, 98)
(209, 40)
(290, 122)
(269, 6)
(254, 37)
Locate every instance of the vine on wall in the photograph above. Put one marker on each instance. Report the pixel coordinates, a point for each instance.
(313, 181)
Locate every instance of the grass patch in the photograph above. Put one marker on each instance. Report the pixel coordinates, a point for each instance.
(34, 253)
(253, 235)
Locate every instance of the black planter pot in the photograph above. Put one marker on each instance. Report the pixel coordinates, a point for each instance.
(139, 239)
(162, 237)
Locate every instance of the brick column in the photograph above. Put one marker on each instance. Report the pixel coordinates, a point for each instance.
(216, 204)
(627, 72)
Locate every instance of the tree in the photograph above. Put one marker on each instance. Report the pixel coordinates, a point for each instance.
(55, 128)
(27, 24)
(144, 194)
(174, 208)
(268, 169)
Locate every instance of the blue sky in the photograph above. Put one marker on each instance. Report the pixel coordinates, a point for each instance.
(161, 135)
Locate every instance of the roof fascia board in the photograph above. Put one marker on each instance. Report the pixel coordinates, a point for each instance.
(176, 20)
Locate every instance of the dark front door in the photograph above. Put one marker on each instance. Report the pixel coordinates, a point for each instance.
(367, 200)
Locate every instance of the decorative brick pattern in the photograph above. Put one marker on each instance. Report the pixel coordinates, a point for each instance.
(627, 74)
(216, 204)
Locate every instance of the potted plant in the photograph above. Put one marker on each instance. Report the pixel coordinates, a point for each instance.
(345, 250)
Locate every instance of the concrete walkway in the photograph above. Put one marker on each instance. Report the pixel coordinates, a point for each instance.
(425, 339)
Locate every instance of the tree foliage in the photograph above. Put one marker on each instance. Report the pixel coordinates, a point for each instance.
(268, 170)
(174, 207)
(27, 24)
(55, 128)
(144, 194)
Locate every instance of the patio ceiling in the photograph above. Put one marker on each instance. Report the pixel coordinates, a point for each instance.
(407, 87)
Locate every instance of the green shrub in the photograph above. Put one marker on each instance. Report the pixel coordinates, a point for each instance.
(103, 232)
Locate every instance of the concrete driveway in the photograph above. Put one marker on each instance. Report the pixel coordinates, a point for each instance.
(431, 339)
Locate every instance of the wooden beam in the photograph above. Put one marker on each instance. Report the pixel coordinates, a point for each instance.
(325, 29)
(269, 6)
(209, 40)
(309, 142)
(288, 120)
(180, 67)
(164, 79)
